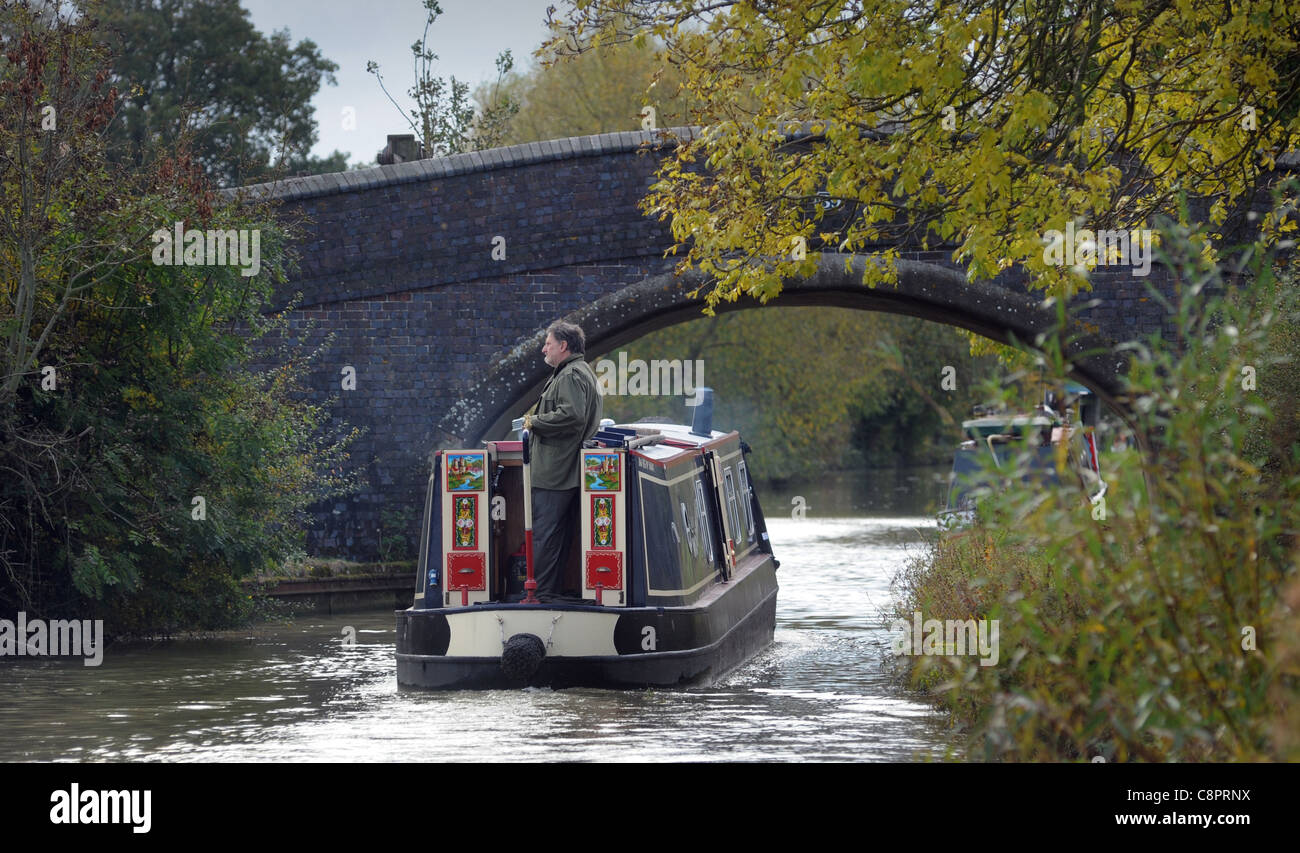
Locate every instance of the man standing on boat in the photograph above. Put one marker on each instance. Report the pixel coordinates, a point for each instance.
(567, 414)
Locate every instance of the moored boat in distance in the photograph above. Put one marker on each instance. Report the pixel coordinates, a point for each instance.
(1023, 446)
(671, 572)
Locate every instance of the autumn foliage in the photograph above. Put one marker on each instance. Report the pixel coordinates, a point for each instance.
(125, 391)
(973, 126)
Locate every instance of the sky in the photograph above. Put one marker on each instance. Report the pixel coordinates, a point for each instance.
(467, 38)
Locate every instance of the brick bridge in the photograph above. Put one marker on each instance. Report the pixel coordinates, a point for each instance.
(438, 277)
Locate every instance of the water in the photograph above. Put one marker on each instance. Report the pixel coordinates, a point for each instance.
(301, 693)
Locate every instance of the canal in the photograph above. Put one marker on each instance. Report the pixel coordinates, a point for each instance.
(323, 688)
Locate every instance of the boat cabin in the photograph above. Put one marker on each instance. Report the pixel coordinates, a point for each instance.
(664, 513)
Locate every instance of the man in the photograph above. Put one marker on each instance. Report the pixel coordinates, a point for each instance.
(567, 414)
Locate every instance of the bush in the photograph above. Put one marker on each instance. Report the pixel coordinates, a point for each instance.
(127, 390)
(1160, 624)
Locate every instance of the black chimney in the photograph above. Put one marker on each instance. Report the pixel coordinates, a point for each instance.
(702, 422)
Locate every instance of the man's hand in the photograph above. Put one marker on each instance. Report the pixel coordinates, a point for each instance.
(528, 422)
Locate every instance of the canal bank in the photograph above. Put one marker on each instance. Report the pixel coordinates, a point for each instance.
(390, 589)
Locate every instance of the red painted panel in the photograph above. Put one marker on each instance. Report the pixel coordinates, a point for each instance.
(467, 571)
(605, 569)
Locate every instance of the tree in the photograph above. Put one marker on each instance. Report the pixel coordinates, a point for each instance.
(1140, 616)
(200, 66)
(443, 120)
(598, 91)
(818, 389)
(978, 126)
(145, 465)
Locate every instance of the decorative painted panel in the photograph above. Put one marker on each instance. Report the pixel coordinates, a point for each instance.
(603, 528)
(602, 472)
(465, 524)
(466, 472)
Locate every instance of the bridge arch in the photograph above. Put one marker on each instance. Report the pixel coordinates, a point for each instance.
(924, 290)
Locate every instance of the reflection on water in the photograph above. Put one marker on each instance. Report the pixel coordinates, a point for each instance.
(302, 693)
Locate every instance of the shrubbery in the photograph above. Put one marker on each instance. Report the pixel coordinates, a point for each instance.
(1167, 630)
(126, 390)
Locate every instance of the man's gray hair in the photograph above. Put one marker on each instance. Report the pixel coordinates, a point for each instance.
(568, 333)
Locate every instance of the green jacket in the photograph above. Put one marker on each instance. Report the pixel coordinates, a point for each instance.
(568, 414)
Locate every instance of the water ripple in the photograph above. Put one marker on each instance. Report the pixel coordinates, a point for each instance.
(298, 693)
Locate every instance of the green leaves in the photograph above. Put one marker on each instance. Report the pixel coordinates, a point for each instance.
(201, 70)
(1133, 631)
(988, 122)
(855, 404)
(444, 120)
(155, 403)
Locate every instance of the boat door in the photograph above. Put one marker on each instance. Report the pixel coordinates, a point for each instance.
(724, 490)
(604, 526)
(466, 533)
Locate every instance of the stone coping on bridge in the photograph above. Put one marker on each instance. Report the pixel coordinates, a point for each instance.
(435, 168)
(508, 157)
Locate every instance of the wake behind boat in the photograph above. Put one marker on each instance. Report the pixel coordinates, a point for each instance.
(671, 575)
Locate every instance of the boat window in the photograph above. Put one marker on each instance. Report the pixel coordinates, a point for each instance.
(746, 500)
(703, 514)
(690, 532)
(732, 512)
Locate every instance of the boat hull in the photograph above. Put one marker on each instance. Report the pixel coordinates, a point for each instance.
(589, 646)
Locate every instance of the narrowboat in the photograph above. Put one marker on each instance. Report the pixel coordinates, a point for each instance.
(671, 578)
(1023, 447)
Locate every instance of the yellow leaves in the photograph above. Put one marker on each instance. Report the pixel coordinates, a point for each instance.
(139, 399)
(1100, 185)
(909, 180)
(998, 177)
(1208, 253)
(1259, 76)
(1218, 212)
(1031, 113)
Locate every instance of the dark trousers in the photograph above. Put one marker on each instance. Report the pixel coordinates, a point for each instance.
(555, 517)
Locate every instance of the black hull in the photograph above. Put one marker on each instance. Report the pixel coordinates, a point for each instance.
(695, 645)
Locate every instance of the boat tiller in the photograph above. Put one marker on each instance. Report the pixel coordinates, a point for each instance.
(530, 585)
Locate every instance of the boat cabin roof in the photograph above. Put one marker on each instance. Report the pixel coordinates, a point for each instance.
(676, 439)
(1000, 423)
(1007, 420)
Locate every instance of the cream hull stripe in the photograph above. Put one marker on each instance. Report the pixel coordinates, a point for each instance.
(710, 579)
(572, 634)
